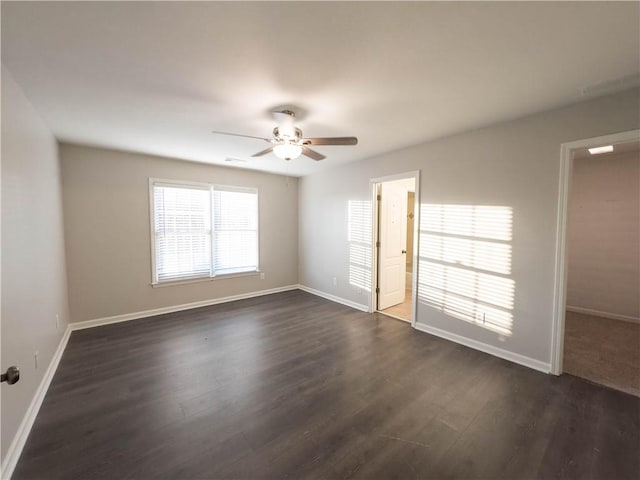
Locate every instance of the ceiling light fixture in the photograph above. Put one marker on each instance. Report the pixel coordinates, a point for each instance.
(287, 151)
(599, 150)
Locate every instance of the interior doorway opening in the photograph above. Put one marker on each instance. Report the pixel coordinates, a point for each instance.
(597, 330)
(395, 243)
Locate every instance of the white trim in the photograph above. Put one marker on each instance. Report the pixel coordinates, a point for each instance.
(333, 298)
(374, 182)
(396, 176)
(152, 232)
(486, 348)
(373, 304)
(598, 313)
(416, 249)
(176, 308)
(171, 283)
(560, 277)
(20, 438)
(164, 182)
(232, 188)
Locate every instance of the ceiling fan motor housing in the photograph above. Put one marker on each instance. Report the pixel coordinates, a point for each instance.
(294, 136)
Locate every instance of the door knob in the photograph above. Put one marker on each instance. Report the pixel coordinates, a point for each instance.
(12, 375)
(404, 251)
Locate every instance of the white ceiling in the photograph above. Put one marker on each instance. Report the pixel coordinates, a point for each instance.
(158, 77)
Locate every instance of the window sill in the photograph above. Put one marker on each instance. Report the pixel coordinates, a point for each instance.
(204, 279)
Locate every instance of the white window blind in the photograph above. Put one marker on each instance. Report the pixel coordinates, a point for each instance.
(235, 230)
(203, 231)
(182, 232)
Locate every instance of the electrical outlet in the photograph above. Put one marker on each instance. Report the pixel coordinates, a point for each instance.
(262, 276)
(57, 321)
(335, 281)
(35, 359)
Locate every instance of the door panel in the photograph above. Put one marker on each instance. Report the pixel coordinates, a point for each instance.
(393, 241)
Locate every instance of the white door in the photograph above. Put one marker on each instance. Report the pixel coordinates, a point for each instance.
(392, 265)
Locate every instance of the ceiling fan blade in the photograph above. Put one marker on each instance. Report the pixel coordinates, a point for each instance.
(330, 141)
(240, 135)
(312, 154)
(263, 152)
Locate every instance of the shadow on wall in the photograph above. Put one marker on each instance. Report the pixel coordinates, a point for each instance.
(464, 264)
(359, 238)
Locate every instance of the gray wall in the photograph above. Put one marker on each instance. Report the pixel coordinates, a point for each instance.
(604, 235)
(106, 204)
(513, 164)
(34, 286)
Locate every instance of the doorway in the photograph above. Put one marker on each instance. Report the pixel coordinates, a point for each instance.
(395, 224)
(597, 331)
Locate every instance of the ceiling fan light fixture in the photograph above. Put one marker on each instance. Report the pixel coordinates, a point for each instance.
(287, 131)
(287, 151)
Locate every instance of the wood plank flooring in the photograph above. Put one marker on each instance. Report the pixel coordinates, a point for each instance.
(294, 386)
(603, 350)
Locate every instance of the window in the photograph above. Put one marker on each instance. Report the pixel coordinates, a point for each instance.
(202, 231)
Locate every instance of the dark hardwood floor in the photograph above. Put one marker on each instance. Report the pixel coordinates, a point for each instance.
(294, 386)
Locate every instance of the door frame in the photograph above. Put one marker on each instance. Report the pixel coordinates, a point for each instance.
(374, 182)
(560, 276)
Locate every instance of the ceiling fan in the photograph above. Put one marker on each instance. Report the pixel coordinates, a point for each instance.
(288, 143)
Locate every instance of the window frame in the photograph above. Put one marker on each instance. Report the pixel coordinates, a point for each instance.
(210, 187)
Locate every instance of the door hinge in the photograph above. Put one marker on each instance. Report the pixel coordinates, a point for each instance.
(379, 197)
(378, 244)
(377, 289)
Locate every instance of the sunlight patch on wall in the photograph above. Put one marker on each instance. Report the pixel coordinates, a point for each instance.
(483, 255)
(478, 221)
(359, 238)
(465, 263)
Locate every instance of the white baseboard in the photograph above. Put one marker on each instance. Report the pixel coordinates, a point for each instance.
(484, 347)
(20, 438)
(175, 308)
(597, 313)
(333, 298)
